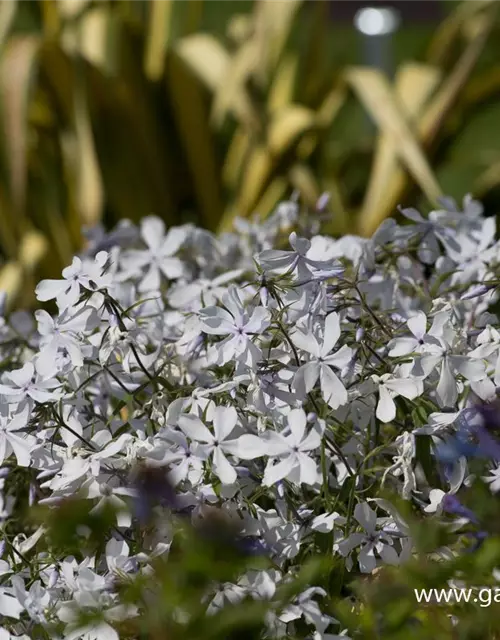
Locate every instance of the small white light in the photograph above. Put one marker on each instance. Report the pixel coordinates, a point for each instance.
(376, 22)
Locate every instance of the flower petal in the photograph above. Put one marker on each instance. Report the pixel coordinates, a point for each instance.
(223, 468)
(405, 387)
(340, 358)
(366, 559)
(334, 392)
(297, 422)
(224, 420)
(447, 387)
(366, 517)
(276, 472)
(258, 321)
(306, 377)
(402, 346)
(153, 232)
(331, 333)
(194, 428)
(386, 409)
(22, 449)
(308, 469)
(306, 342)
(471, 369)
(9, 606)
(417, 324)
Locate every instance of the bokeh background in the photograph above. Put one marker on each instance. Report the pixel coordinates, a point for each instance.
(203, 110)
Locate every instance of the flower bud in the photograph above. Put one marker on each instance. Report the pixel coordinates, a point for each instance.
(32, 494)
(451, 504)
(280, 487)
(322, 202)
(53, 578)
(311, 417)
(477, 291)
(195, 344)
(113, 321)
(397, 317)
(264, 296)
(360, 332)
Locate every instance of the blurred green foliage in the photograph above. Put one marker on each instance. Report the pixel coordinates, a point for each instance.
(386, 605)
(203, 110)
(173, 596)
(380, 606)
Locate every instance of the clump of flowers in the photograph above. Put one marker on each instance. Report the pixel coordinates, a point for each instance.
(281, 382)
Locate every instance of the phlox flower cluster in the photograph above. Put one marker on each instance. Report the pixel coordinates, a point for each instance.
(280, 376)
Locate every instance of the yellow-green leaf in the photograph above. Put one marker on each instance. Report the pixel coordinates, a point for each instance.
(11, 280)
(379, 99)
(231, 94)
(414, 84)
(234, 161)
(325, 115)
(89, 184)
(69, 9)
(452, 26)
(32, 248)
(435, 112)
(282, 89)
(287, 126)
(192, 117)
(271, 196)
(451, 88)
(330, 106)
(212, 64)
(18, 67)
(96, 36)
(254, 180)
(303, 180)
(206, 56)
(273, 23)
(7, 15)
(159, 33)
